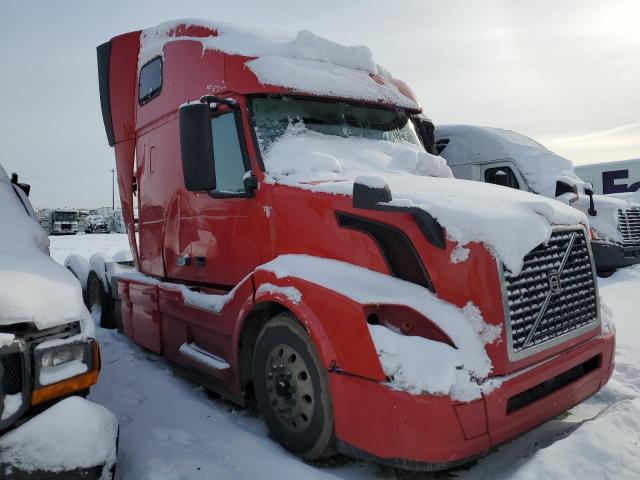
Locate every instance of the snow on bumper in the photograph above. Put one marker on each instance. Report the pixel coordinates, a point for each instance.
(74, 435)
(425, 432)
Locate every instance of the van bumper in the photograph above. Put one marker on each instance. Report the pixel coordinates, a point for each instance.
(428, 433)
(610, 256)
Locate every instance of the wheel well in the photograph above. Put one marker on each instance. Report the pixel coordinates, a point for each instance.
(251, 328)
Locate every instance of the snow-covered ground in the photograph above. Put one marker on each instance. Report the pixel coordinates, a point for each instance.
(170, 428)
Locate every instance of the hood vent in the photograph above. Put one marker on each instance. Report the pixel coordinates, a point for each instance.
(396, 248)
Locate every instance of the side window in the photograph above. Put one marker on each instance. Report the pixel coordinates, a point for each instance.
(491, 173)
(227, 155)
(150, 81)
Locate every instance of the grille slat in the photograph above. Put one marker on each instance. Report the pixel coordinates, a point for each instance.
(571, 307)
(629, 226)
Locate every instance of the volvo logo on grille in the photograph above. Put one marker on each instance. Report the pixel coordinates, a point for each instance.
(555, 287)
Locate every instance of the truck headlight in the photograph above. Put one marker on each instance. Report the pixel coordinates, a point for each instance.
(64, 354)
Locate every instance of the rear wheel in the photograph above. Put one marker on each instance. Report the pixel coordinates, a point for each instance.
(292, 389)
(100, 303)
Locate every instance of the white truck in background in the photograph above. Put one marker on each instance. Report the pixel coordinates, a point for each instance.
(60, 221)
(620, 177)
(513, 160)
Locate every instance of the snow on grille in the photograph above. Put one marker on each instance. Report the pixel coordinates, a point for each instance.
(555, 292)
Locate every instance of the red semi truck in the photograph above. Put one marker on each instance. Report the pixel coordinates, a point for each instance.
(296, 289)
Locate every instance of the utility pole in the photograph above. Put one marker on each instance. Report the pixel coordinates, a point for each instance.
(113, 195)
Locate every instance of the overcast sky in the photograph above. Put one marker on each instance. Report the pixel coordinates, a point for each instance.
(566, 73)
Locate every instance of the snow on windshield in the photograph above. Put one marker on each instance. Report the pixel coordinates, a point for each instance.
(303, 62)
(32, 284)
(509, 222)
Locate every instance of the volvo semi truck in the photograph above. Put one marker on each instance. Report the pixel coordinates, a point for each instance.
(296, 241)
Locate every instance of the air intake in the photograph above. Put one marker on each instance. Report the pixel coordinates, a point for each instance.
(398, 251)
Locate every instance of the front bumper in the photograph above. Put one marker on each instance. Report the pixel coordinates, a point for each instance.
(424, 432)
(610, 256)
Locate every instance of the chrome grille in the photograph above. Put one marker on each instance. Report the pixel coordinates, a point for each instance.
(554, 294)
(629, 226)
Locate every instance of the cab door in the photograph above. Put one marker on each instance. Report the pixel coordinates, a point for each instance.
(223, 222)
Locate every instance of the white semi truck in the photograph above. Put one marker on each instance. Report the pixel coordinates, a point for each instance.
(511, 159)
(60, 221)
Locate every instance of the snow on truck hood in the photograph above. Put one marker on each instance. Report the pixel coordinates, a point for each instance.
(303, 62)
(33, 287)
(540, 166)
(509, 222)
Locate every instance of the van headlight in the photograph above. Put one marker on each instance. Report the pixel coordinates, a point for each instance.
(63, 354)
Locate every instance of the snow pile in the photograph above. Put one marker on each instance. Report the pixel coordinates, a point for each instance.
(605, 223)
(204, 301)
(604, 448)
(291, 293)
(12, 404)
(459, 254)
(304, 62)
(122, 256)
(72, 434)
(509, 222)
(80, 267)
(6, 339)
(33, 287)
(540, 166)
(411, 361)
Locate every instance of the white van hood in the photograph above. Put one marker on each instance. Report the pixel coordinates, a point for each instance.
(33, 287)
(509, 222)
(541, 168)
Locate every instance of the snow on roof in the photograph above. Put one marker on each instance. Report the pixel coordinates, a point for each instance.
(475, 144)
(509, 222)
(33, 287)
(302, 62)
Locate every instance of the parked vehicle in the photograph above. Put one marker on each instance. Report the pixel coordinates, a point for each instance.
(96, 224)
(298, 246)
(619, 177)
(48, 349)
(508, 158)
(60, 221)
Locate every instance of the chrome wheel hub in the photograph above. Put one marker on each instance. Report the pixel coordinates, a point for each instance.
(289, 388)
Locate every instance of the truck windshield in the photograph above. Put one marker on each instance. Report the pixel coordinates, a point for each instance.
(272, 116)
(66, 217)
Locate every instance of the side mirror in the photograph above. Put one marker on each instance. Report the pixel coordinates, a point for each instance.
(501, 178)
(196, 146)
(26, 188)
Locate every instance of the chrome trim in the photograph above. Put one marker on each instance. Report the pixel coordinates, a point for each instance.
(527, 352)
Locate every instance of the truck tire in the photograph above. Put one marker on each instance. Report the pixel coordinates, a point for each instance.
(292, 389)
(100, 303)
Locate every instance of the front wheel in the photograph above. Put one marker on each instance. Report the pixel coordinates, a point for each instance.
(292, 389)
